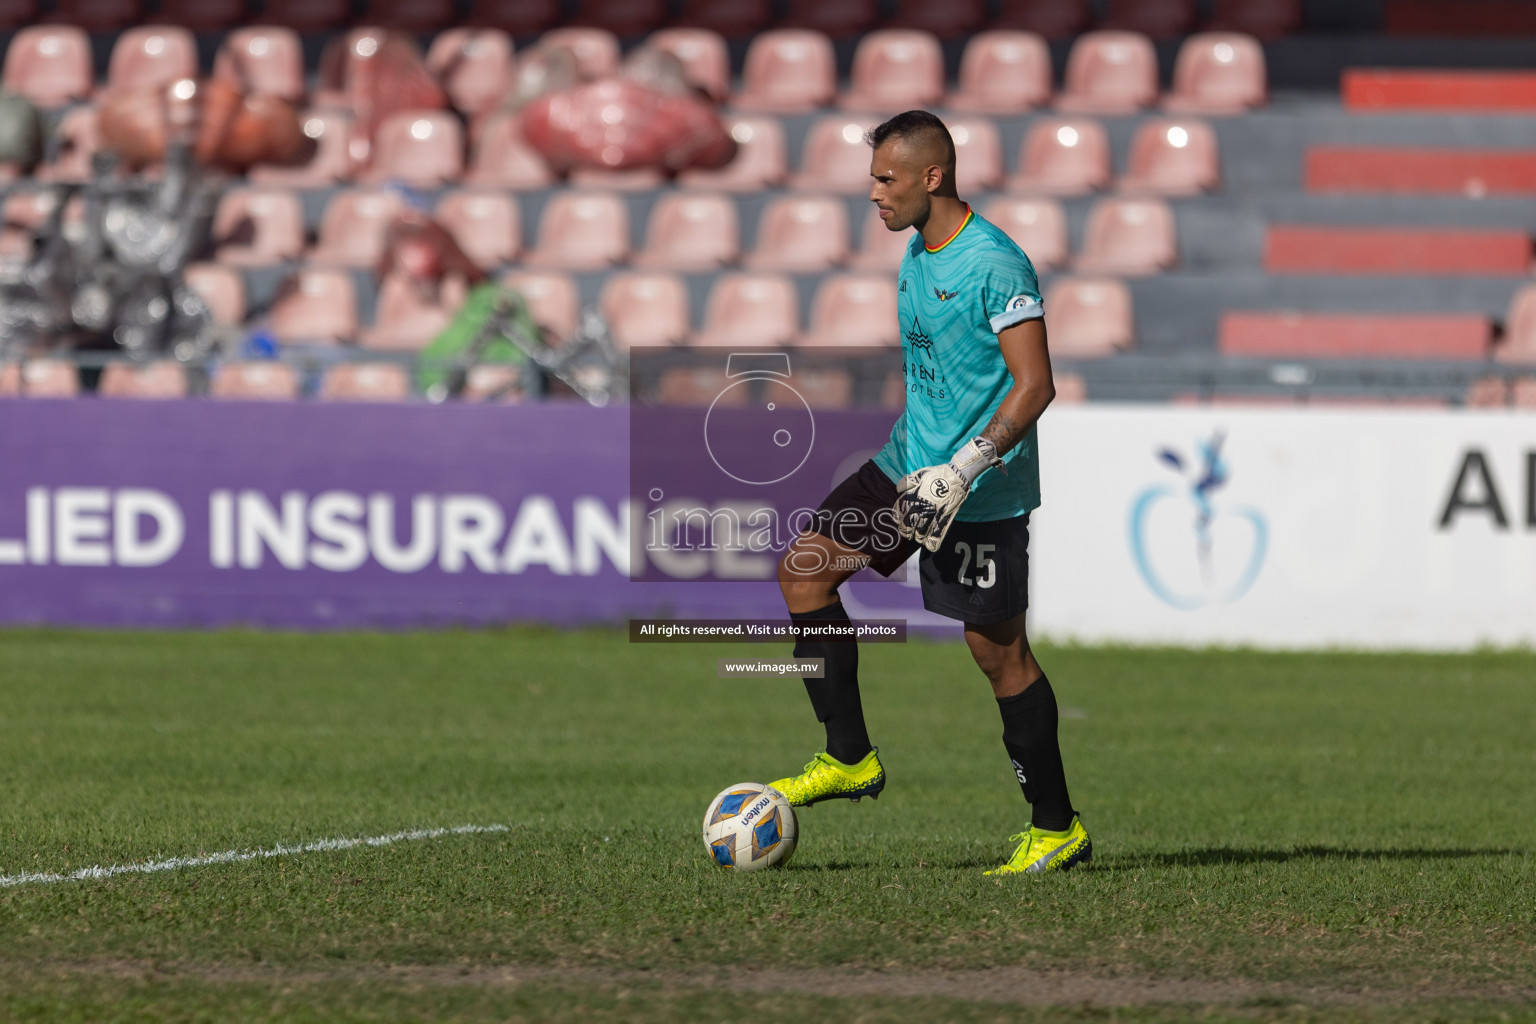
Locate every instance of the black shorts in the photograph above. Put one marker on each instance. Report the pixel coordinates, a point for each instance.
(979, 575)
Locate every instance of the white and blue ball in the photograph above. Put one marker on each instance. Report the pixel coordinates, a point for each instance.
(750, 826)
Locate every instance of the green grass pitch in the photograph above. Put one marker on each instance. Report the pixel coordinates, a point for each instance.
(1277, 836)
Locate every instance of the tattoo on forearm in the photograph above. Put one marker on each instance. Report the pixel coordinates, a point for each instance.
(1004, 431)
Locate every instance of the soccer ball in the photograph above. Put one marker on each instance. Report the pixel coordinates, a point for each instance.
(750, 826)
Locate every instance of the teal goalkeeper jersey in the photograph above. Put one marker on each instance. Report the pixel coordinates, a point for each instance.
(952, 301)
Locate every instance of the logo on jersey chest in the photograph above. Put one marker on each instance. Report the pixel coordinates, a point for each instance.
(942, 295)
(918, 339)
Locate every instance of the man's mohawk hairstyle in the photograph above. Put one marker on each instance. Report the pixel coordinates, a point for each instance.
(912, 125)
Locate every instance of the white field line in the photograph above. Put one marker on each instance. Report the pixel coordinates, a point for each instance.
(237, 856)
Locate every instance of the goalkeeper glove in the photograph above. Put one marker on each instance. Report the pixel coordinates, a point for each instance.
(927, 499)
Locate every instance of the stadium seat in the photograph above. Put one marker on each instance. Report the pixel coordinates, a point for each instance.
(1218, 73)
(1128, 236)
(258, 227)
(596, 50)
(204, 15)
(20, 217)
(733, 19)
(163, 378)
(315, 306)
(492, 382)
(1474, 173)
(338, 59)
(307, 15)
(1071, 389)
(787, 71)
(1159, 19)
(1002, 72)
(746, 311)
(1062, 158)
(50, 65)
(474, 67)
(691, 232)
(1354, 335)
(365, 382)
(503, 159)
(99, 15)
(701, 386)
(1519, 342)
(854, 311)
(838, 18)
(1308, 249)
(800, 235)
(601, 179)
(703, 54)
(1039, 226)
(1264, 19)
(1438, 89)
(40, 378)
(552, 300)
(1089, 317)
(645, 310)
(582, 231)
(267, 60)
(221, 287)
(152, 55)
(331, 163)
(949, 20)
(517, 18)
(1487, 393)
(487, 225)
(420, 16)
(1053, 19)
(264, 381)
(353, 225)
(628, 18)
(978, 154)
(76, 140)
(419, 148)
(1172, 158)
(761, 160)
(835, 157)
(1109, 73)
(1522, 393)
(895, 70)
(880, 248)
(405, 319)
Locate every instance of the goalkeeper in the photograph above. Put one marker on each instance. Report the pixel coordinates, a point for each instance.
(957, 480)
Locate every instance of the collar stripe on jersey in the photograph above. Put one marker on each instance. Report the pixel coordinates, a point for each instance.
(968, 215)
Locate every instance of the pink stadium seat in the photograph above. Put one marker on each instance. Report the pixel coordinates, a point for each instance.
(307, 15)
(365, 382)
(552, 300)
(490, 382)
(353, 225)
(699, 386)
(1265, 19)
(25, 215)
(1128, 236)
(267, 60)
(1522, 393)
(40, 378)
(271, 382)
(895, 70)
(761, 160)
(1487, 393)
(1053, 19)
(1519, 342)
(835, 157)
(518, 18)
(1071, 389)
(1089, 317)
(487, 225)
(152, 55)
(420, 148)
(948, 20)
(596, 50)
(645, 310)
(788, 71)
(1172, 158)
(1062, 158)
(342, 54)
(258, 227)
(600, 179)
(703, 54)
(315, 307)
(221, 287)
(204, 15)
(746, 311)
(691, 232)
(1039, 226)
(582, 231)
(1160, 19)
(623, 17)
(978, 154)
(331, 163)
(1003, 72)
(1354, 335)
(405, 319)
(1218, 73)
(734, 19)
(1308, 249)
(1109, 73)
(503, 159)
(164, 378)
(76, 140)
(49, 65)
(854, 311)
(99, 15)
(412, 15)
(474, 67)
(840, 18)
(880, 249)
(801, 235)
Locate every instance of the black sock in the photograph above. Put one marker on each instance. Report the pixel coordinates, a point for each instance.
(835, 696)
(1029, 733)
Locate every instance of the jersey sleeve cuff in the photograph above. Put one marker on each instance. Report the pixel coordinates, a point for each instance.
(1034, 310)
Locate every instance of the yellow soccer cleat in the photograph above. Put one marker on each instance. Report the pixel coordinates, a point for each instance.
(827, 778)
(1040, 850)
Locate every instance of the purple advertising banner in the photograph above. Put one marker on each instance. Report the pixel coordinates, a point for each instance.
(324, 516)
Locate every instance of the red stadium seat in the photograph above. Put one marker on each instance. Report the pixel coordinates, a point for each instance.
(76, 140)
(948, 20)
(747, 311)
(40, 378)
(204, 15)
(1109, 73)
(880, 248)
(854, 311)
(503, 158)
(99, 15)
(267, 60)
(1159, 19)
(703, 54)
(1264, 19)
(420, 148)
(353, 225)
(895, 70)
(622, 17)
(518, 18)
(801, 235)
(1218, 73)
(1053, 19)
(582, 231)
(265, 381)
(691, 232)
(50, 65)
(1003, 72)
(152, 55)
(221, 288)
(412, 15)
(835, 157)
(307, 15)
(1129, 236)
(1062, 158)
(487, 225)
(258, 227)
(1305, 249)
(761, 160)
(1438, 89)
(474, 67)
(788, 71)
(365, 382)
(1089, 318)
(645, 310)
(163, 378)
(315, 307)
(1355, 335)
(840, 18)
(1473, 173)
(978, 154)
(1519, 342)
(332, 162)
(734, 19)
(552, 300)
(596, 50)
(18, 13)
(1172, 158)
(1039, 226)
(1461, 18)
